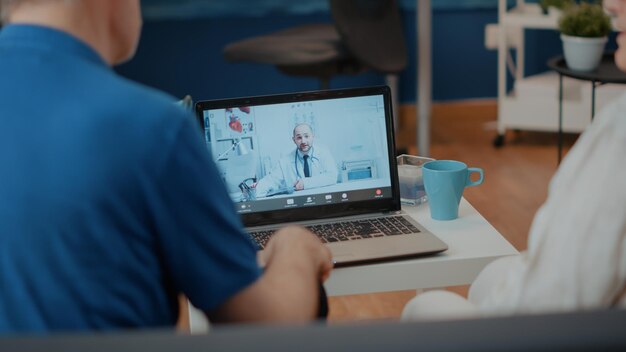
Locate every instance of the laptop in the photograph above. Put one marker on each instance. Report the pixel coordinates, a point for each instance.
(324, 160)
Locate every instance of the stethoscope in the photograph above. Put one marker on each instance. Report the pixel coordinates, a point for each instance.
(295, 163)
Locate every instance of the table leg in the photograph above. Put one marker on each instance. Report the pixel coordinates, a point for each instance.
(560, 136)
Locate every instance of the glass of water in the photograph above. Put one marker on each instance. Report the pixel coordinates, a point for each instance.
(410, 176)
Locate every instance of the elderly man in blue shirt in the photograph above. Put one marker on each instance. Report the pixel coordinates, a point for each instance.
(110, 205)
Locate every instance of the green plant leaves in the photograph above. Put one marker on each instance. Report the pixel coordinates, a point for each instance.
(585, 20)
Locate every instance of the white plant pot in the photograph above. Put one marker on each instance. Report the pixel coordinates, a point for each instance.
(583, 54)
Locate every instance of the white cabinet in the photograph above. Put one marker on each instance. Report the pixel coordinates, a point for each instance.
(533, 102)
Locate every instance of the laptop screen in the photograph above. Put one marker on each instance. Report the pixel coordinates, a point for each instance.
(291, 153)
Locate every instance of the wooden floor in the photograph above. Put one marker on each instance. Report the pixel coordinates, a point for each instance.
(516, 182)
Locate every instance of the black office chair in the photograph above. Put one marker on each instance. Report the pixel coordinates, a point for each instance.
(367, 34)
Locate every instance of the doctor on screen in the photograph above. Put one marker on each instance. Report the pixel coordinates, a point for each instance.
(308, 166)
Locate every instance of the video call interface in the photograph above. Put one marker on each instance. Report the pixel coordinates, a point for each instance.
(301, 154)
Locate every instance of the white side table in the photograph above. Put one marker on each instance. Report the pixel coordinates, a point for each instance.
(473, 243)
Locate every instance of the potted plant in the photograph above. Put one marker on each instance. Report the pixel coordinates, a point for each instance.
(584, 30)
(550, 6)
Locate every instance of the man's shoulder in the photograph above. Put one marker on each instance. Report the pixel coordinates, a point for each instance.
(135, 106)
(137, 117)
(131, 95)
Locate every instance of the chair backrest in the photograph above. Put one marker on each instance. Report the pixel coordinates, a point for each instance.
(582, 331)
(372, 31)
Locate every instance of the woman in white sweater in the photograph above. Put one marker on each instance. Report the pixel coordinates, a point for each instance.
(576, 257)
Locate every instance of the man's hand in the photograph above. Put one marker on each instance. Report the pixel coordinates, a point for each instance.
(299, 185)
(297, 244)
(296, 262)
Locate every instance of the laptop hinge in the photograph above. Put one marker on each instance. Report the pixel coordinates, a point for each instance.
(392, 212)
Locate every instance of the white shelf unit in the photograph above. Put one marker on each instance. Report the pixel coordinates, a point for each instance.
(533, 103)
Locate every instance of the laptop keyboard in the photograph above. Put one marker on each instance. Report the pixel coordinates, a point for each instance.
(350, 230)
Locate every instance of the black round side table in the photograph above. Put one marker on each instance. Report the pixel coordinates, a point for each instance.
(606, 72)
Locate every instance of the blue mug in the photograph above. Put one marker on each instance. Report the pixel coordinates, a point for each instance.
(444, 181)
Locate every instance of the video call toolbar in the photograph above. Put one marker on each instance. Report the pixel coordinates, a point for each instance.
(313, 200)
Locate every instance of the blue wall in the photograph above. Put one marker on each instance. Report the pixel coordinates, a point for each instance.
(183, 56)
(168, 9)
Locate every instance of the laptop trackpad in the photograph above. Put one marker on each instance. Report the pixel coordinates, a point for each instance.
(385, 248)
(343, 257)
